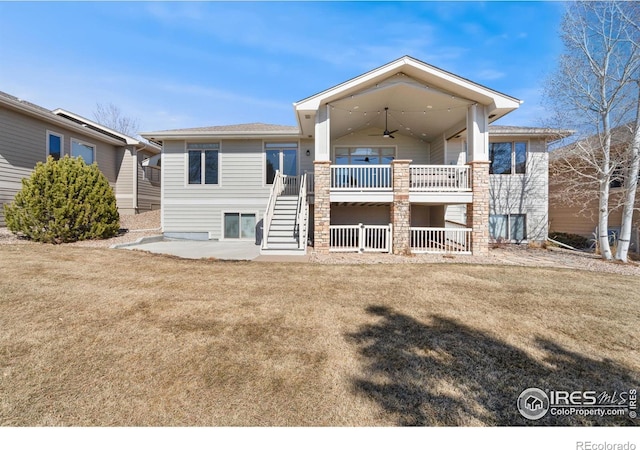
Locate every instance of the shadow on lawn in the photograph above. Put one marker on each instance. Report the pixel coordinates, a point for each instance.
(446, 373)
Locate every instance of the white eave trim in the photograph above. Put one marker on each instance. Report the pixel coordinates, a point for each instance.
(414, 68)
(129, 140)
(218, 135)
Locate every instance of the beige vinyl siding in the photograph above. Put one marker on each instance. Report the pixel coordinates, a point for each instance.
(456, 153)
(124, 184)
(22, 145)
(148, 191)
(199, 208)
(456, 213)
(437, 151)
(306, 162)
(524, 193)
(407, 147)
(106, 159)
(583, 220)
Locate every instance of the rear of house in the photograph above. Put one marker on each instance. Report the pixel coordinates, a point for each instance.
(401, 159)
(29, 134)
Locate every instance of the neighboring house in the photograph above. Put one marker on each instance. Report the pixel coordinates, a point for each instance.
(566, 215)
(397, 159)
(30, 133)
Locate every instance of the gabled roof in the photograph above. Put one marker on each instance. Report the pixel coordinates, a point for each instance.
(406, 85)
(417, 69)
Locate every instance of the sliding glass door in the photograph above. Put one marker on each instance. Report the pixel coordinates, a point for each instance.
(282, 157)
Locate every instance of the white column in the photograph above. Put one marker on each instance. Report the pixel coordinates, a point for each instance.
(477, 133)
(323, 134)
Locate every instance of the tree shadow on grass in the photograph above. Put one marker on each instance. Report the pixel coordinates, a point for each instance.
(446, 373)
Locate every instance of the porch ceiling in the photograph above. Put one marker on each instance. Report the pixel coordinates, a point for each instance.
(415, 109)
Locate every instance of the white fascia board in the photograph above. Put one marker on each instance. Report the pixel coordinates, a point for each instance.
(217, 135)
(128, 139)
(148, 146)
(312, 104)
(421, 71)
(48, 116)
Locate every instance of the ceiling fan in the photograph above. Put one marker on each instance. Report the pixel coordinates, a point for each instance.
(386, 133)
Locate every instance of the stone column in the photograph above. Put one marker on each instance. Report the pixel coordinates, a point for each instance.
(478, 211)
(322, 206)
(401, 208)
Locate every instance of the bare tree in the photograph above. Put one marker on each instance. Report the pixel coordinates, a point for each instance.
(593, 91)
(111, 116)
(631, 16)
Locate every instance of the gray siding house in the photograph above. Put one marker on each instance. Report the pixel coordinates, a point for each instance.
(30, 133)
(401, 159)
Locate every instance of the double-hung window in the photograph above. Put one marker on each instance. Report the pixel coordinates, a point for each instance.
(83, 150)
(54, 145)
(508, 157)
(508, 227)
(203, 163)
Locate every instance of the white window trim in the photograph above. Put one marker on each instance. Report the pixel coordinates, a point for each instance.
(88, 144)
(333, 150)
(264, 157)
(61, 136)
(237, 211)
(186, 166)
(513, 158)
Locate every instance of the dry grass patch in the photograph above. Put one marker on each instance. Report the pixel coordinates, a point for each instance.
(105, 337)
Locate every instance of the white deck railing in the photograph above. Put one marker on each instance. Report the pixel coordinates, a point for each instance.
(290, 185)
(361, 178)
(302, 214)
(360, 238)
(276, 189)
(440, 240)
(439, 178)
(423, 178)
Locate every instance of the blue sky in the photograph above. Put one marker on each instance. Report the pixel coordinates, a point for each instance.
(175, 65)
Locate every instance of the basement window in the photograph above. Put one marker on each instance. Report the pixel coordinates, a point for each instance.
(239, 226)
(508, 227)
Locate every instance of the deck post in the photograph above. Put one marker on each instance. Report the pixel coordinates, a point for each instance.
(322, 206)
(478, 211)
(401, 208)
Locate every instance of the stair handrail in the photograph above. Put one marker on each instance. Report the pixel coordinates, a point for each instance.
(276, 190)
(301, 214)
